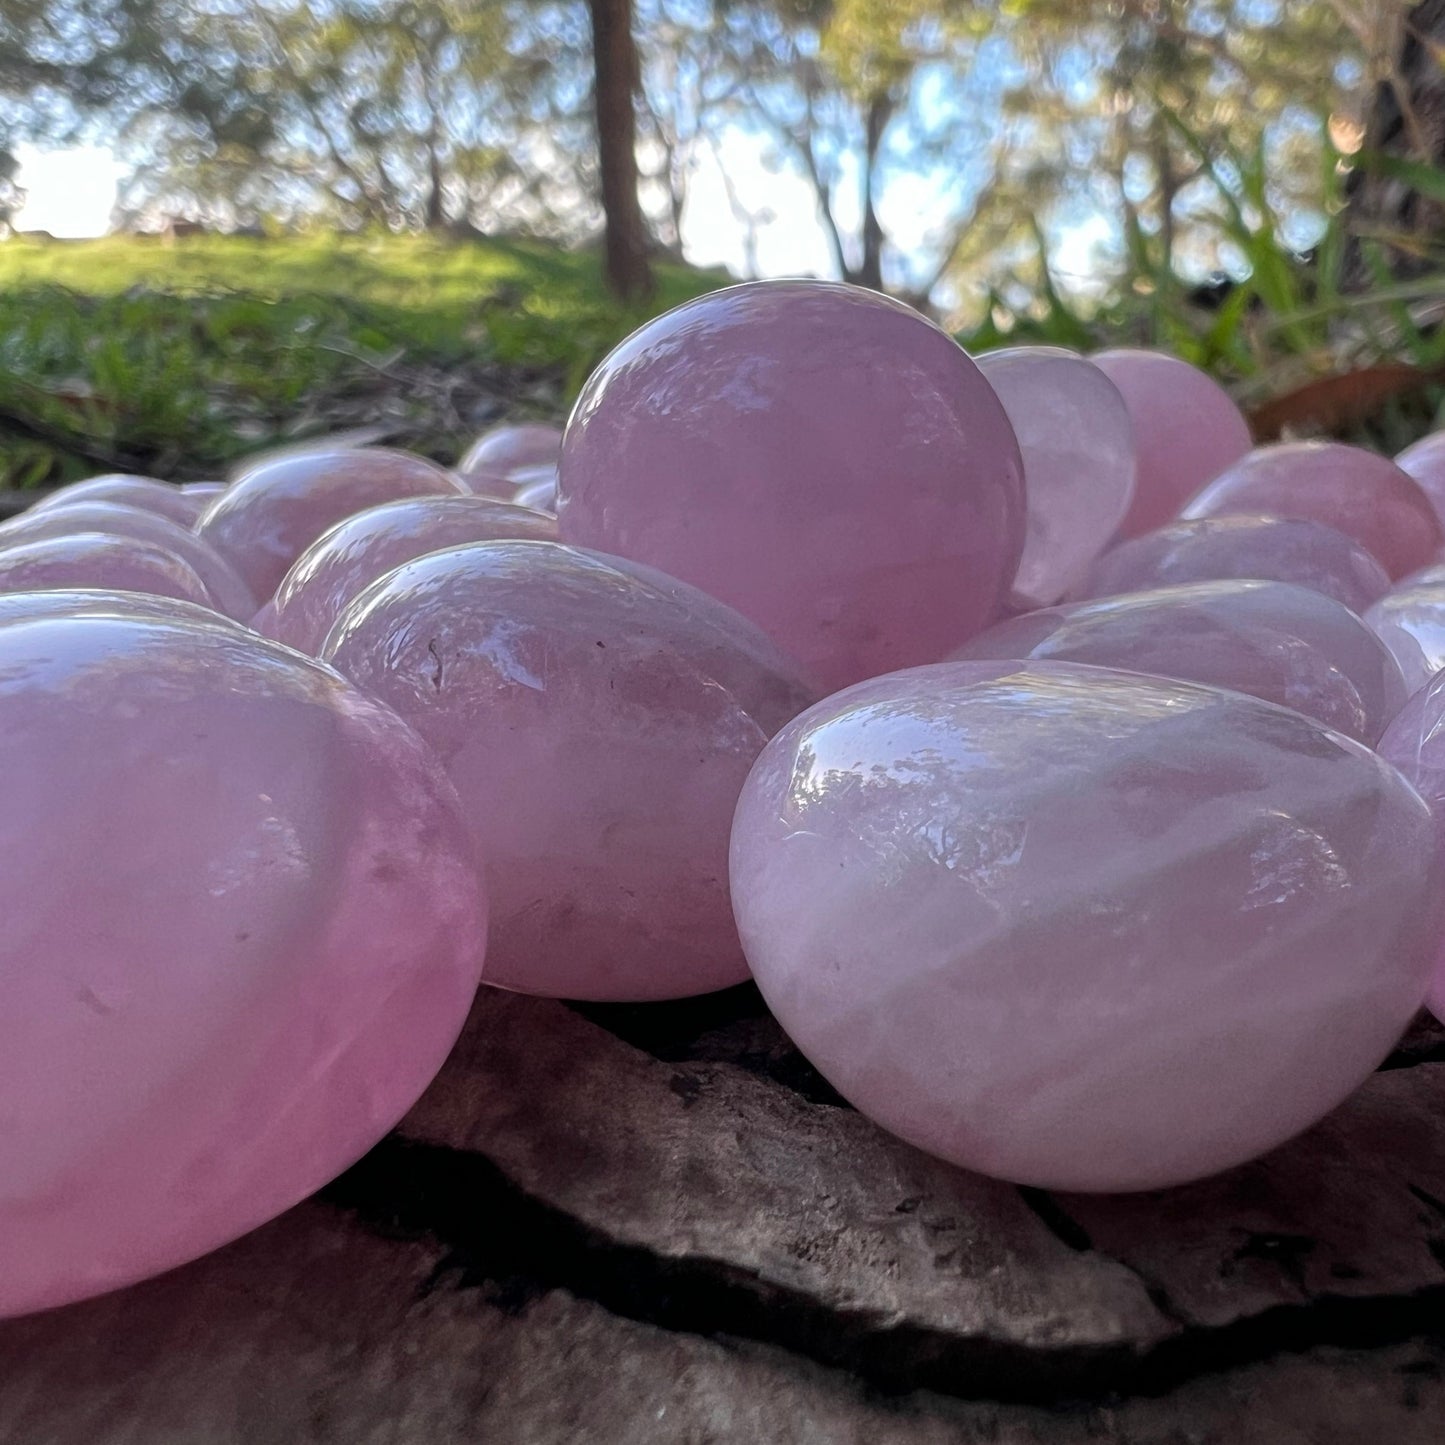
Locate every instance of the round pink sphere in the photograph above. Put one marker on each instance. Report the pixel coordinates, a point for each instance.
(1063, 925)
(1278, 642)
(1359, 493)
(540, 493)
(1425, 461)
(599, 733)
(819, 457)
(1186, 431)
(1415, 743)
(1277, 549)
(143, 492)
(103, 560)
(244, 924)
(273, 512)
(1411, 623)
(97, 602)
(1078, 450)
(334, 568)
(507, 449)
(207, 491)
(230, 593)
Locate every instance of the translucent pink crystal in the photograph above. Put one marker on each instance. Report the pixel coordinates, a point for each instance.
(1078, 450)
(1278, 642)
(243, 927)
(539, 492)
(1186, 431)
(819, 457)
(1415, 743)
(1425, 461)
(98, 602)
(1078, 928)
(1411, 623)
(506, 449)
(221, 580)
(334, 568)
(1357, 492)
(98, 559)
(208, 491)
(599, 732)
(142, 492)
(1278, 549)
(272, 513)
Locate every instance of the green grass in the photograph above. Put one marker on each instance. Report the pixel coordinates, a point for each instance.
(125, 353)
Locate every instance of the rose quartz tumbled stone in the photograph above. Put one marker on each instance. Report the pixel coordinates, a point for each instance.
(1078, 451)
(1425, 461)
(334, 568)
(98, 559)
(230, 593)
(1078, 928)
(97, 602)
(273, 512)
(598, 732)
(1277, 549)
(1364, 495)
(819, 457)
(539, 493)
(1415, 743)
(1186, 431)
(1411, 623)
(208, 491)
(506, 449)
(1274, 641)
(243, 926)
(143, 492)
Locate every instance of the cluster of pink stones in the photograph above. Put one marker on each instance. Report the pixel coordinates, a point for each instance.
(1059, 765)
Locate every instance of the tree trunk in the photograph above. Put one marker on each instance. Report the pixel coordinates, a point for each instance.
(870, 272)
(615, 58)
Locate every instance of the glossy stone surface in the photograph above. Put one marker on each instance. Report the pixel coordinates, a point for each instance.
(143, 492)
(817, 456)
(1425, 461)
(244, 924)
(1359, 493)
(221, 580)
(271, 513)
(1411, 623)
(1078, 449)
(538, 490)
(1277, 549)
(103, 560)
(507, 449)
(1082, 929)
(98, 602)
(331, 571)
(209, 491)
(1415, 743)
(599, 732)
(1186, 431)
(1278, 642)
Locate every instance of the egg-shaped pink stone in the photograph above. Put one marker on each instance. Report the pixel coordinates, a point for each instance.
(271, 513)
(507, 449)
(1078, 450)
(819, 457)
(1276, 549)
(598, 732)
(1186, 431)
(103, 560)
(230, 593)
(143, 492)
(208, 490)
(243, 926)
(1083, 929)
(98, 602)
(1411, 623)
(537, 488)
(1364, 495)
(1425, 461)
(1278, 642)
(334, 568)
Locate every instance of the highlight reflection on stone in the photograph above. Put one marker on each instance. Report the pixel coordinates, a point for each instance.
(1411, 623)
(1425, 461)
(104, 560)
(504, 450)
(1083, 929)
(142, 492)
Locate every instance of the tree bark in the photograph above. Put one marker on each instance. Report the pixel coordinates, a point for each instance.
(870, 272)
(615, 59)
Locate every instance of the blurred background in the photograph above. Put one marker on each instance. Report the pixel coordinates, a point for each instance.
(232, 223)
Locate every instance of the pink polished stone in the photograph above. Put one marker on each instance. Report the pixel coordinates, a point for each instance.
(541, 494)
(1275, 549)
(230, 593)
(272, 513)
(1425, 461)
(1083, 929)
(1274, 641)
(142, 492)
(96, 602)
(819, 457)
(506, 449)
(334, 568)
(98, 559)
(1357, 492)
(1186, 431)
(1411, 623)
(1415, 743)
(598, 731)
(207, 491)
(1078, 450)
(244, 924)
